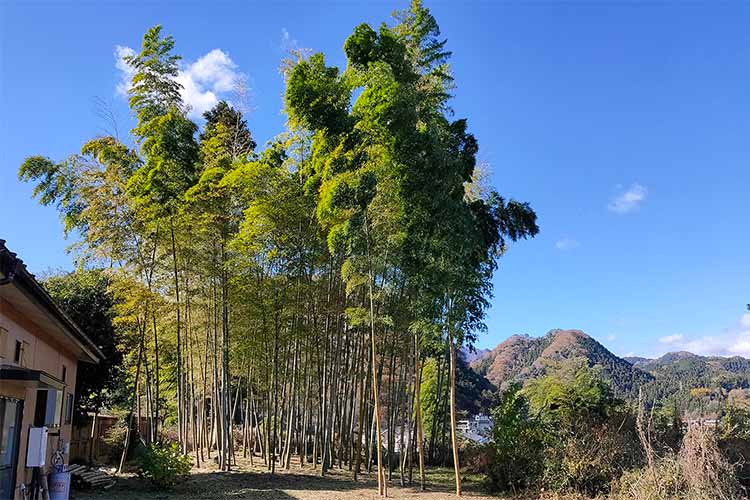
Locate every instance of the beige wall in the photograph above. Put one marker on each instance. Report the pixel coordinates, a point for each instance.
(45, 354)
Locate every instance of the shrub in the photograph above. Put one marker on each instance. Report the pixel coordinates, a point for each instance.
(697, 472)
(734, 442)
(163, 464)
(588, 459)
(114, 438)
(707, 473)
(737, 452)
(516, 454)
(664, 481)
(588, 435)
(169, 434)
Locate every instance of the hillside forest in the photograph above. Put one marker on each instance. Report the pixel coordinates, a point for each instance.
(310, 301)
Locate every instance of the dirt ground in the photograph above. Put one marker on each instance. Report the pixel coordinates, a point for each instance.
(254, 482)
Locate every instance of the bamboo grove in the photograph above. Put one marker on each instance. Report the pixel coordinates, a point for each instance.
(281, 303)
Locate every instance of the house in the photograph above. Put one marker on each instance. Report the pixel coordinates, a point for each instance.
(483, 424)
(40, 348)
(463, 426)
(477, 428)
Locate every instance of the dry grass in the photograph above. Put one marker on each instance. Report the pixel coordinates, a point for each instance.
(697, 472)
(706, 471)
(254, 482)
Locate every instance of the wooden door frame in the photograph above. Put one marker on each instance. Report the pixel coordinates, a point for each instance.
(17, 445)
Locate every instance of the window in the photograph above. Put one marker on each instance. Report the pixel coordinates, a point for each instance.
(21, 353)
(3, 342)
(18, 352)
(48, 410)
(69, 409)
(11, 411)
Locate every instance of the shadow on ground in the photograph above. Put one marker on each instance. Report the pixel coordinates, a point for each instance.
(229, 485)
(258, 484)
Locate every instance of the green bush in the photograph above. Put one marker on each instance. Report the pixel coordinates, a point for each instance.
(564, 432)
(163, 464)
(114, 438)
(664, 481)
(516, 454)
(734, 439)
(587, 459)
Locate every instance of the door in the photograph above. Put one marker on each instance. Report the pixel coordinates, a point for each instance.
(11, 413)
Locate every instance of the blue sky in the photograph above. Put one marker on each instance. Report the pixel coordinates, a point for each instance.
(626, 125)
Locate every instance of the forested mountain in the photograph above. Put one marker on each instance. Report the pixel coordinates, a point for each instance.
(693, 383)
(470, 356)
(698, 385)
(636, 360)
(522, 357)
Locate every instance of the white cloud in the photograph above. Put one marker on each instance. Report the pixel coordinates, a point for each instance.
(741, 347)
(126, 71)
(567, 244)
(611, 337)
(215, 70)
(672, 339)
(732, 341)
(629, 200)
(203, 81)
(287, 42)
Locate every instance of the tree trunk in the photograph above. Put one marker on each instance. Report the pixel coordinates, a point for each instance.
(454, 437)
(180, 419)
(382, 486)
(418, 408)
(132, 411)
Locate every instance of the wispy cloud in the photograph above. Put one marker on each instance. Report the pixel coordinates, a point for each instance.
(203, 81)
(611, 337)
(629, 200)
(672, 339)
(287, 42)
(567, 243)
(733, 341)
(126, 70)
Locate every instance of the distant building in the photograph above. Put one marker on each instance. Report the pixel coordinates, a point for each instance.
(711, 423)
(40, 348)
(483, 423)
(477, 428)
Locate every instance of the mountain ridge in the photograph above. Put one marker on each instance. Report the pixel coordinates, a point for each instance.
(522, 357)
(670, 377)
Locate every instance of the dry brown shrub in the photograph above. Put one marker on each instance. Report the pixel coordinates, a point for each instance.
(662, 481)
(708, 474)
(697, 472)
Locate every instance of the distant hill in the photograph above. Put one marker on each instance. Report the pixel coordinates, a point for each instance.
(471, 356)
(636, 360)
(697, 371)
(522, 357)
(678, 375)
(694, 383)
